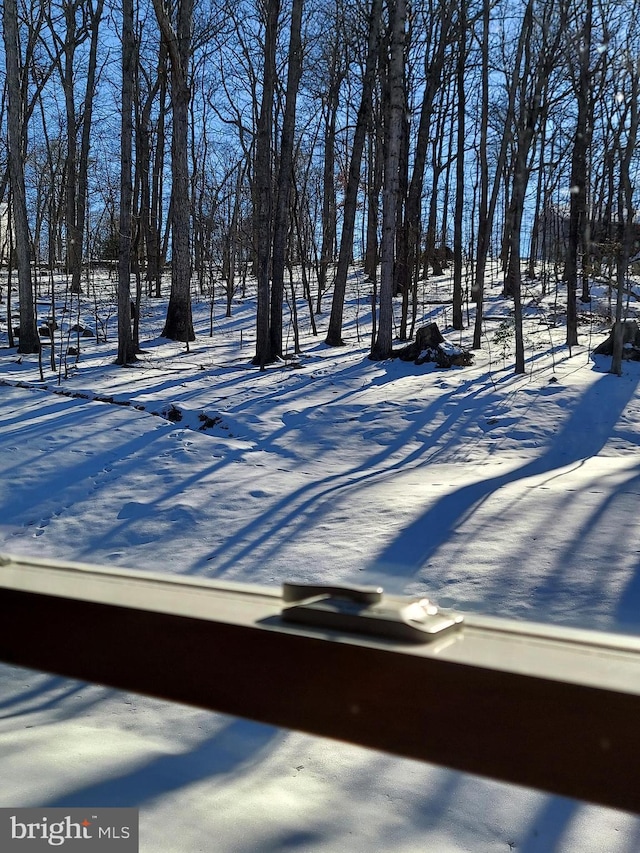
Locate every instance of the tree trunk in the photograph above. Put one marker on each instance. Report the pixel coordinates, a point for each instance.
(95, 16)
(460, 174)
(534, 249)
(433, 74)
(29, 340)
(143, 167)
(625, 210)
(484, 228)
(486, 223)
(334, 332)
(538, 61)
(74, 238)
(400, 272)
(262, 186)
(155, 253)
(514, 273)
(281, 222)
(578, 202)
(374, 186)
(126, 349)
(234, 240)
(327, 252)
(383, 345)
(179, 324)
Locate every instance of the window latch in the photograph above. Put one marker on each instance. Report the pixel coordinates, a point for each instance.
(366, 610)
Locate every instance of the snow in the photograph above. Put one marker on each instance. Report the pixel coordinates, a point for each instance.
(514, 496)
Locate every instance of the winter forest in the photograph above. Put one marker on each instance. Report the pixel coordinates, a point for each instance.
(339, 291)
(248, 140)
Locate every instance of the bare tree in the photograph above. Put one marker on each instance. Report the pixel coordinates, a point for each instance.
(460, 167)
(582, 141)
(543, 29)
(126, 349)
(334, 332)
(176, 31)
(262, 185)
(484, 225)
(336, 69)
(29, 340)
(285, 180)
(628, 124)
(149, 162)
(81, 23)
(383, 345)
(375, 158)
(438, 18)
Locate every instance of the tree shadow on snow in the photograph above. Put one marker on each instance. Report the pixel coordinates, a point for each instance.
(51, 694)
(600, 407)
(548, 826)
(627, 612)
(241, 743)
(424, 438)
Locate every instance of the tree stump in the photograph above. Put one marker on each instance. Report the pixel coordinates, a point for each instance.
(430, 346)
(630, 341)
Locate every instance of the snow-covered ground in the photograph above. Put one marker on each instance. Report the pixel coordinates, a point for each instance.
(515, 496)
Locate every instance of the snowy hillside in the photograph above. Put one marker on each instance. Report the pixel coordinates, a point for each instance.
(514, 496)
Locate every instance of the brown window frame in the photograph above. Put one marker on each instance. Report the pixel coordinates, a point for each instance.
(536, 705)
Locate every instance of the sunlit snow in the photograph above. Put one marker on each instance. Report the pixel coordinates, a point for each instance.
(514, 496)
